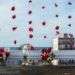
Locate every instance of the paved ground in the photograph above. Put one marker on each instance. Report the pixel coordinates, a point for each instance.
(4, 70)
(38, 70)
(49, 70)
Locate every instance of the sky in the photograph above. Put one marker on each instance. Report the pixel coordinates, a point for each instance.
(43, 35)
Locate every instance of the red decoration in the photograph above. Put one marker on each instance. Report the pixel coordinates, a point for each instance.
(14, 28)
(49, 50)
(45, 53)
(7, 54)
(69, 17)
(15, 41)
(43, 7)
(14, 16)
(57, 15)
(30, 12)
(31, 29)
(30, 22)
(43, 23)
(4, 52)
(57, 32)
(13, 8)
(69, 25)
(56, 5)
(30, 36)
(44, 36)
(1, 52)
(57, 27)
(30, 1)
(69, 3)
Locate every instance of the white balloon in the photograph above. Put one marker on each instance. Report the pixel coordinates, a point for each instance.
(55, 62)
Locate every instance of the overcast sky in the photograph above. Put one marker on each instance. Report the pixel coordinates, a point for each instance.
(7, 36)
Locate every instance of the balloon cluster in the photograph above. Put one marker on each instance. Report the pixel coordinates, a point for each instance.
(4, 53)
(45, 53)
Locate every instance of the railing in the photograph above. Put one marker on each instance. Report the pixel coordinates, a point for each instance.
(66, 43)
